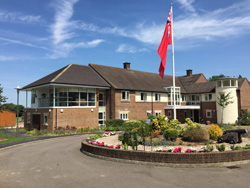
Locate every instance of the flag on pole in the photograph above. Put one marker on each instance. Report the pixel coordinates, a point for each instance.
(166, 40)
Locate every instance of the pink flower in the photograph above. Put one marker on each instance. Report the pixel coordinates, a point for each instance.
(177, 150)
(111, 146)
(188, 151)
(118, 146)
(164, 149)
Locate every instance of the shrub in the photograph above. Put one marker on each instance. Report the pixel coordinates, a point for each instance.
(195, 135)
(121, 137)
(245, 117)
(174, 123)
(221, 147)
(214, 131)
(233, 147)
(208, 148)
(159, 123)
(114, 122)
(156, 133)
(171, 134)
(189, 124)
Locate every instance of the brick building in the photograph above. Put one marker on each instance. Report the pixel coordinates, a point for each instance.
(81, 96)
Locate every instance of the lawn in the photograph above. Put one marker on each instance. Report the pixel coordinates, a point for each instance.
(5, 138)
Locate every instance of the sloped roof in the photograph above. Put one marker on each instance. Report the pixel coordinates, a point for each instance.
(121, 78)
(73, 75)
(207, 87)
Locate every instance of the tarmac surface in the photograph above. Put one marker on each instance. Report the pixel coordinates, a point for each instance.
(59, 163)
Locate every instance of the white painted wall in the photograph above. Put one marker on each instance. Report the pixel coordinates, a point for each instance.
(230, 113)
(164, 97)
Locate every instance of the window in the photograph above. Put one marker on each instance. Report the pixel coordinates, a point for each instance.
(143, 96)
(45, 119)
(124, 116)
(183, 97)
(28, 117)
(208, 97)
(33, 97)
(148, 113)
(157, 113)
(125, 95)
(157, 97)
(209, 113)
(169, 114)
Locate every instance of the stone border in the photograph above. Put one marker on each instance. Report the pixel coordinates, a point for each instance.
(215, 159)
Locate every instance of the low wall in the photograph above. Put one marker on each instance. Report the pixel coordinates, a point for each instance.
(165, 157)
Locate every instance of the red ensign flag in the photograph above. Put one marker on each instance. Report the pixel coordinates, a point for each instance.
(166, 40)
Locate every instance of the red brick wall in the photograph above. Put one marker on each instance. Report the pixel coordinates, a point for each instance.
(78, 117)
(245, 96)
(7, 118)
(208, 106)
(137, 110)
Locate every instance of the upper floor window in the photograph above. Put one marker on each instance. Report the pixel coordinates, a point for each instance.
(194, 98)
(208, 97)
(143, 96)
(33, 97)
(125, 95)
(157, 97)
(183, 97)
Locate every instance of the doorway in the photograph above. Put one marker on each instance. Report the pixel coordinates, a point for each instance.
(36, 121)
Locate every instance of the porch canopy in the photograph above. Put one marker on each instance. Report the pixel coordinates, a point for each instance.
(183, 107)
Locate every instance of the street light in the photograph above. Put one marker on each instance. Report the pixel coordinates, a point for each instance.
(17, 109)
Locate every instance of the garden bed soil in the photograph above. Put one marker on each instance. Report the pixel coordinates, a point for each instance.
(113, 140)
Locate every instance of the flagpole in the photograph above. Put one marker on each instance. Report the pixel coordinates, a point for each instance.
(172, 27)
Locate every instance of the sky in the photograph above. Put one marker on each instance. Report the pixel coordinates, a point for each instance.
(39, 37)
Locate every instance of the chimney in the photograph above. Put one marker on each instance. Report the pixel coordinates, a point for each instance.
(126, 65)
(189, 72)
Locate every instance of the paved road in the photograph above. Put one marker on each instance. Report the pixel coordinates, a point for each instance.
(59, 163)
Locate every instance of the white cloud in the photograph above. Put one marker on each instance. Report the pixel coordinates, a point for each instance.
(11, 41)
(63, 29)
(126, 48)
(7, 58)
(187, 4)
(18, 17)
(65, 48)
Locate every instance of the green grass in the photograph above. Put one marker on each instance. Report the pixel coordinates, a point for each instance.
(12, 138)
(20, 130)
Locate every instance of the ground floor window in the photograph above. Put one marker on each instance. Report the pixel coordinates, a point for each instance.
(169, 114)
(209, 113)
(124, 116)
(157, 113)
(101, 118)
(45, 118)
(28, 117)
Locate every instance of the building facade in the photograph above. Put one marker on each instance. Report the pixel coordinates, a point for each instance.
(85, 96)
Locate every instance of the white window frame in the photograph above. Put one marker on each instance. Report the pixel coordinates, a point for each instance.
(143, 96)
(157, 113)
(28, 117)
(45, 115)
(208, 97)
(124, 115)
(210, 111)
(126, 95)
(157, 97)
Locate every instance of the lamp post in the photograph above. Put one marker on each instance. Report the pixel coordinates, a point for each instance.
(17, 110)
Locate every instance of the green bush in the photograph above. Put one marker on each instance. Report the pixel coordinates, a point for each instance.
(245, 117)
(195, 135)
(120, 137)
(94, 137)
(174, 123)
(221, 147)
(159, 123)
(114, 122)
(189, 124)
(171, 134)
(208, 148)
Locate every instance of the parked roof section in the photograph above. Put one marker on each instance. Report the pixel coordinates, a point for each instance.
(72, 74)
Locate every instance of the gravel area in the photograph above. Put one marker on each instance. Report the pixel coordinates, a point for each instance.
(113, 140)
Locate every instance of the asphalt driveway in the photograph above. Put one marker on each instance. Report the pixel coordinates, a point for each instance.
(59, 163)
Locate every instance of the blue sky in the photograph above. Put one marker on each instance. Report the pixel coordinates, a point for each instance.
(40, 37)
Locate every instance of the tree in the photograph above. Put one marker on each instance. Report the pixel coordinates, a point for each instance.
(2, 98)
(239, 76)
(224, 101)
(13, 107)
(215, 77)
